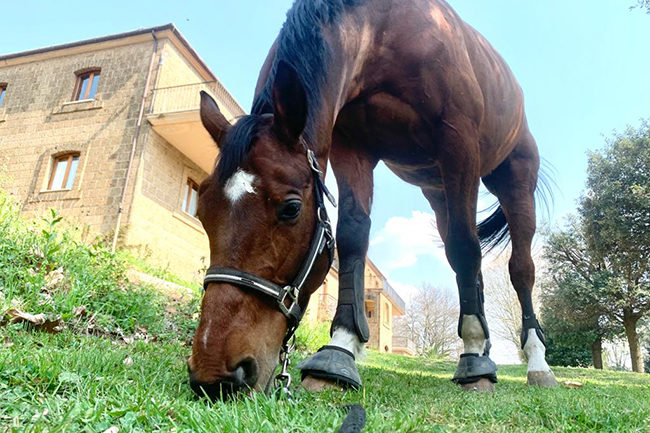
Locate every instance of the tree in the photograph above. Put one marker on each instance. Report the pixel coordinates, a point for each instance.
(615, 214)
(576, 302)
(430, 321)
(642, 4)
(501, 303)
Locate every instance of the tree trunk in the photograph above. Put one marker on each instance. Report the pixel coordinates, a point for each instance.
(597, 353)
(629, 323)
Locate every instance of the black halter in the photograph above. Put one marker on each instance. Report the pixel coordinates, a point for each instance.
(287, 297)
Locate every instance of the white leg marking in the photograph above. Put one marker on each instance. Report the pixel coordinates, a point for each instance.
(535, 351)
(348, 341)
(473, 335)
(239, 184)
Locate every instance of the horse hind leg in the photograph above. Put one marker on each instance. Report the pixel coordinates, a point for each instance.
(514, 183)
(334, 364)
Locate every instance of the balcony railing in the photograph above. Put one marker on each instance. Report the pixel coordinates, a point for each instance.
(187, 97)
(400, 342)
(393, 295)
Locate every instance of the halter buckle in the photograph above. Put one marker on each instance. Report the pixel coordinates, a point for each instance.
(292, 293)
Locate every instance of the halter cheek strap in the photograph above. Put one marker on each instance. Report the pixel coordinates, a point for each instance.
(286, 297)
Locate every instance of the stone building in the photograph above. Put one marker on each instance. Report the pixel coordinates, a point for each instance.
(382, 304)
(108, 132)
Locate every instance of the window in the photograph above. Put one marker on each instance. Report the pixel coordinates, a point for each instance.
(3, 92)
(64, 170)
(190, 197)
(386, 314)
(86, 85)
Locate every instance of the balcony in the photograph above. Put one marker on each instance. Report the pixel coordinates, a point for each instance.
(174, 115)
(399, 305)
(404, 345)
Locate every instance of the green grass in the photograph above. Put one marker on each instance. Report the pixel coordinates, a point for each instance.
(82, 384)
(78, 380)
(141, 264)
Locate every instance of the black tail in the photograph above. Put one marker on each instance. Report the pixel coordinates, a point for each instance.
(493, 230)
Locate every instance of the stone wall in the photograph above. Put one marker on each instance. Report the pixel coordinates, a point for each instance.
(41, 122)
(157, 227)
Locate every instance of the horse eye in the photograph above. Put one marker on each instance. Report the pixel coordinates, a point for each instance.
(290, 210)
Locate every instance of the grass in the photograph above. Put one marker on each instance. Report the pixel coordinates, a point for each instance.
(122, 363)
(76, 383)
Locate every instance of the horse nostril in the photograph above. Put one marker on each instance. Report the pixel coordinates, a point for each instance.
(248, 372)
(241, 378)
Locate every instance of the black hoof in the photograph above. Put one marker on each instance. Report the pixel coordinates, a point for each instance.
(333, 364)
(472, 367)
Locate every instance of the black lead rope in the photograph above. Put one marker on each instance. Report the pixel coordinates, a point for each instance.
(355, 421)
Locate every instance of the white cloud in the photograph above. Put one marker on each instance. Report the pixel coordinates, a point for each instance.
(406, 291)
(409, 238)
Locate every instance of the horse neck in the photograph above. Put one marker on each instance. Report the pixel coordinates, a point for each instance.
(349, 48)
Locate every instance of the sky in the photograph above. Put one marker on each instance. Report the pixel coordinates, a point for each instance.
(583, 66)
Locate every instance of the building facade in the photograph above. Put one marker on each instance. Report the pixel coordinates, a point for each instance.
(108, 132)
(382, 304)
(85, 128)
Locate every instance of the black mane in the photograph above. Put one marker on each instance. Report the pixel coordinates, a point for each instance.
(236, 146)
(300, 44)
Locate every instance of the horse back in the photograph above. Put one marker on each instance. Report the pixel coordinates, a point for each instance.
(423, 66)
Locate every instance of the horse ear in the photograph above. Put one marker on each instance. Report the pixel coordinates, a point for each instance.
(289, 103)
(212, 119)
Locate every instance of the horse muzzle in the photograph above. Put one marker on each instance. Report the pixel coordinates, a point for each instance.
(228, 383)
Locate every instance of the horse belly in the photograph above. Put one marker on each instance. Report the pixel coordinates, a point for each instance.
(421, 176)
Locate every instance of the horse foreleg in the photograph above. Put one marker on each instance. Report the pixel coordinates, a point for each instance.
(335, 362)
(475, 371)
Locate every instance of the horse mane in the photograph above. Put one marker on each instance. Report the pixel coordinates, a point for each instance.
(237, 144)
(301, 45)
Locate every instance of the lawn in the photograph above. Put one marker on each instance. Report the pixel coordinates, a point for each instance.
(74, 383)
(113, 359)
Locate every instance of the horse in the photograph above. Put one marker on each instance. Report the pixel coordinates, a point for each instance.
(356, 82)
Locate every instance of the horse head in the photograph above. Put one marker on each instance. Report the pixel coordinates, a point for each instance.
(260, 213)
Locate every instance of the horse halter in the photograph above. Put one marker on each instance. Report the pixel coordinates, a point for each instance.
(286, 297)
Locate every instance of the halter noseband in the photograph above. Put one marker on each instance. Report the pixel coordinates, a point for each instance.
(287, 297)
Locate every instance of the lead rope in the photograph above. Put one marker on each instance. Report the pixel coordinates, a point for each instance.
(282, 381)
(353, 422)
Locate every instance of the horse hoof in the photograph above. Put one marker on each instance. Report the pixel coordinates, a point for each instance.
(545, 379)
(313, 384)
(332, 365)
(482, 385)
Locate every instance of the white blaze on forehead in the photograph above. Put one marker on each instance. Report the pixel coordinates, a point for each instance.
(238, 185)
(348, 341)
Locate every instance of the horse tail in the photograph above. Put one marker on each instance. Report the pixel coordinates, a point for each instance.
(493, 230)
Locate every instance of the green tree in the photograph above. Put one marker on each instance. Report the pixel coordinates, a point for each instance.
(615, 214)
(642, 4)
(575, 298)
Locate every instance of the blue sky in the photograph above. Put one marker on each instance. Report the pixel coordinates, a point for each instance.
(583, 66)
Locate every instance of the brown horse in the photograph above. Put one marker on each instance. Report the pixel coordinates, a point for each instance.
(359, 81)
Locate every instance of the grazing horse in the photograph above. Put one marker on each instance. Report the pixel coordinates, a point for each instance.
(358, 82)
